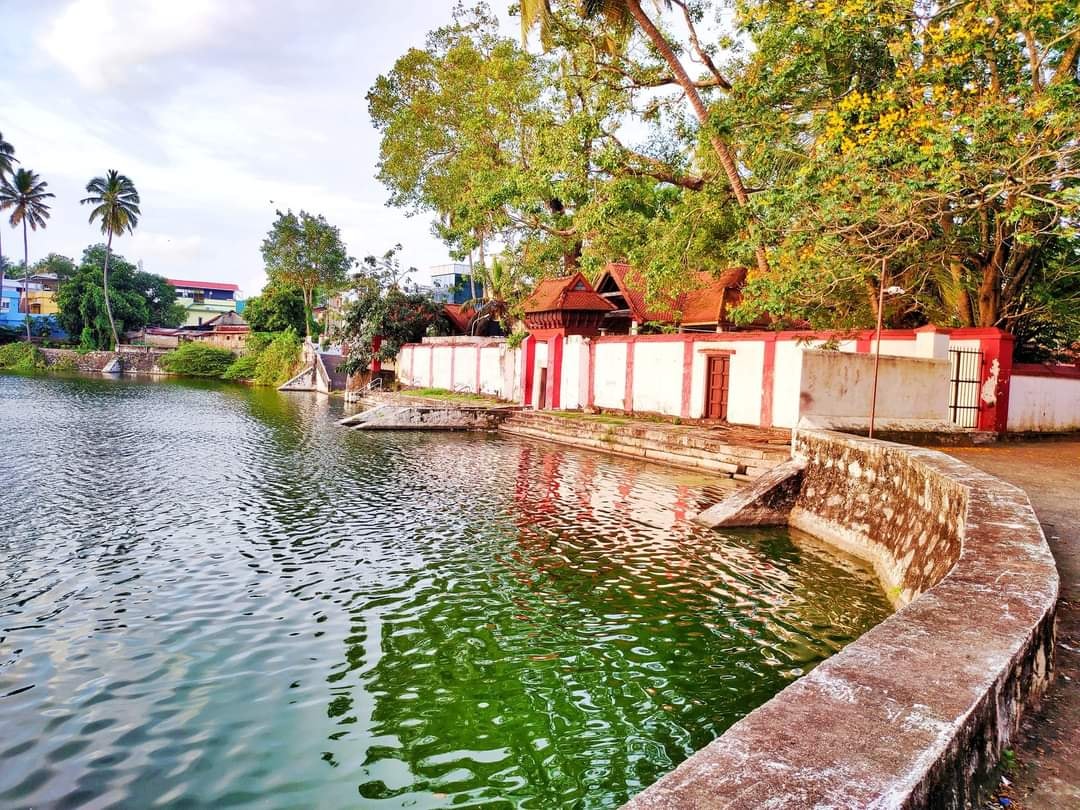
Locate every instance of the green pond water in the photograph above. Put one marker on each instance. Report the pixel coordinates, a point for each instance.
(214, 596)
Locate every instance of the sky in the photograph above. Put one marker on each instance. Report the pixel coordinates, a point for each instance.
(220, 112)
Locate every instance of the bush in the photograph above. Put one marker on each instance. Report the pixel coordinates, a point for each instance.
(278, 361)
(269, 359)
(242, 368)
(198, 360)
(20, 357)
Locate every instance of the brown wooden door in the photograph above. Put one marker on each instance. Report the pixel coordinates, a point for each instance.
(716, 387)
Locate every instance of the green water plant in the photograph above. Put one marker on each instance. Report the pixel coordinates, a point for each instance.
(198, 360)
(22, 357)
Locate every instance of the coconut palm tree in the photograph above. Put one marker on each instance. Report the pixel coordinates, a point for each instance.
(620, 16)
(24, 193)
(116, 204)
(7, 166)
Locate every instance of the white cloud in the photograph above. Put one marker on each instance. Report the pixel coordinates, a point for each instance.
(102, 42)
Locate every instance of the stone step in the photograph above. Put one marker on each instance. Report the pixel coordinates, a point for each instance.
(681, 446)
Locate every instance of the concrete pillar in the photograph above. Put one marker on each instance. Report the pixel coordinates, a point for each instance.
(929, 342)
(997, 348)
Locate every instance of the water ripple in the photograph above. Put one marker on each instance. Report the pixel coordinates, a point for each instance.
(212, 596)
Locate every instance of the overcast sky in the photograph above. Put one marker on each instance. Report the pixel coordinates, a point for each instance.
(214, 108)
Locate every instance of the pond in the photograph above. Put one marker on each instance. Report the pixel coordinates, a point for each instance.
(213, 596)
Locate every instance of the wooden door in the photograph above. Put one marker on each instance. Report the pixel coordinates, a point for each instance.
(716, 387)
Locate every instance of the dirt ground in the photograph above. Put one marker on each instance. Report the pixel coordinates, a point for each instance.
(1048, 756)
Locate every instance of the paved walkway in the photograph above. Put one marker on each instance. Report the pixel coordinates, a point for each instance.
(1049, 753)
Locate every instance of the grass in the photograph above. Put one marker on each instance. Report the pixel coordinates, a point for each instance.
(449, 396)
(601, 418)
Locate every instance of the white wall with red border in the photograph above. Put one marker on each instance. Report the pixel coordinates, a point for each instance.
(1044, 398)
(476, 365)
(768, 384)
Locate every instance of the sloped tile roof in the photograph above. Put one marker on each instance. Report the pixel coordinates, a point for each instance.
(701, 304)
(566, 293)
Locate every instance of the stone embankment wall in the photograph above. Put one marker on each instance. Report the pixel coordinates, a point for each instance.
(134, 359)
(916, 712)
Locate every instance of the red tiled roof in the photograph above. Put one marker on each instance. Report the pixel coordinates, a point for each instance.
(713, 297)
(459, 316)
(706, 302)
(569, 292)
(203, 285)
(632, 285)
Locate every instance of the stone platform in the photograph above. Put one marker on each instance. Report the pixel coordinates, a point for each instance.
(917, 712)
(733, 451)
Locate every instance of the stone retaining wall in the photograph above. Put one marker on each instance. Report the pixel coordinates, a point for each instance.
(134, 359)
(916, 712)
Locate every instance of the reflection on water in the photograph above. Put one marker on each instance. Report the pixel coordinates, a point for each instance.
(213, 596)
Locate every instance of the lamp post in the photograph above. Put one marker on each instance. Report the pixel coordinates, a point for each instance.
(877, 340)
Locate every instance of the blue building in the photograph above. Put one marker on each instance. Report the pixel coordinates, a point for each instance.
(450, 284)
(13, 320)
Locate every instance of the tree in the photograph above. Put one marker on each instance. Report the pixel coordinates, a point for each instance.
(116, 204)
(24, 193)
(278, 307)
(60, 266)
(622, 15)
(136, 299)
(943, 140)
(7, 167)
(504, 290)
(307, 252)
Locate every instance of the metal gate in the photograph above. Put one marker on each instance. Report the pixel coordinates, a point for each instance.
(965, 380)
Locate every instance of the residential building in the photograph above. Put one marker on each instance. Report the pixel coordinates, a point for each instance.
(204, 300)
(226, 331)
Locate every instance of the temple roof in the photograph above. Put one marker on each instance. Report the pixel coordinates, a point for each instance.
(566, 293)
(705, 302)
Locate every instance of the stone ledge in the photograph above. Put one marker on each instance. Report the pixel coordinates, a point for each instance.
(917, 711)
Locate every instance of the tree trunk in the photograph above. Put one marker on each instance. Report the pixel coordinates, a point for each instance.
(105, 280)
(723, 151)
(1, 269)
(483, 261)
(26, 277)
(308, 293)
(472, 283)
(990, 288)
(963, 300)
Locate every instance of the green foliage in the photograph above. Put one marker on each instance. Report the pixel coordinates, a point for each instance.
(196, 359)
(810, 140)
(278, 307)
(62, 266)
(243, 368)
(396, 316)
(306, 251)
(268, 359)
(516, 338)
(64, 364)
(137, 298)
(279, 360)
(22, 356)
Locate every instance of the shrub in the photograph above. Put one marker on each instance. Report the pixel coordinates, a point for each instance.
(20, 357)
(242, 368)
(269, 359)
(198, 360)
(278, 361)
(64, 364)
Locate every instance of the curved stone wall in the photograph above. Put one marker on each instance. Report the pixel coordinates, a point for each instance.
(916, 712)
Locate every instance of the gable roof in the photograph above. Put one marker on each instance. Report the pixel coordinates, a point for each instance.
(706, 302)
(568, 292)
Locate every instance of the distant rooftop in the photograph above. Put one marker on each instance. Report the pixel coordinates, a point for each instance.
(203, 285)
